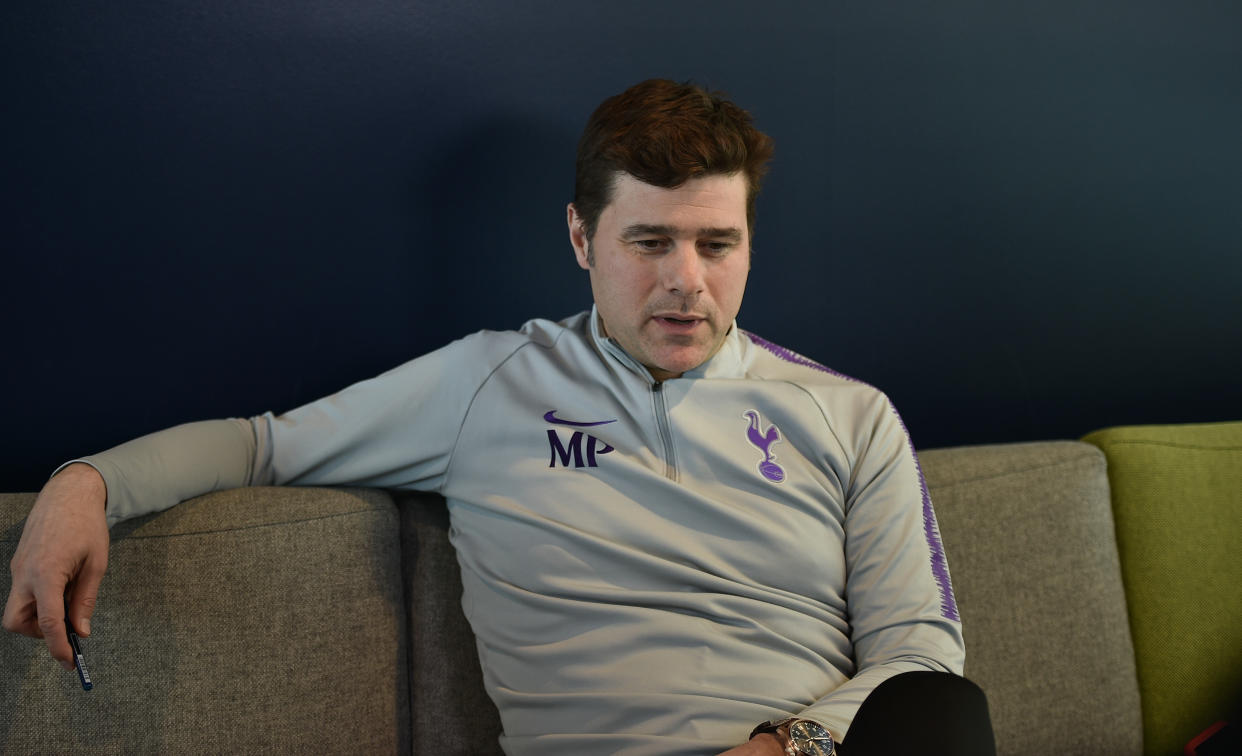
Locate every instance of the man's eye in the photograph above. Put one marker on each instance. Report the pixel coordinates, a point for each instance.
(650, 245)
(717, 248)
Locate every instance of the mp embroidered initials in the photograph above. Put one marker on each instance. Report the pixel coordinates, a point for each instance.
(573, 451)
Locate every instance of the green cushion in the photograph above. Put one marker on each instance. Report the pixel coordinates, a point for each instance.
(1177, 501)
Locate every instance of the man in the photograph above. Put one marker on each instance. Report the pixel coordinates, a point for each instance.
(671, 531)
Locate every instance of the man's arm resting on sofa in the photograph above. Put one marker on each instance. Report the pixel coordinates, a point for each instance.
(64, 544)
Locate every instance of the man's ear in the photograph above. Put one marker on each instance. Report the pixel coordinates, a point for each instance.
(578, 237)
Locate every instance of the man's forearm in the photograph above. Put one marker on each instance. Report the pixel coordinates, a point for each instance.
(156, 471)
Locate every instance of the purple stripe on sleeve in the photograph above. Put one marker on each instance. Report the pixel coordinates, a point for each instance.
(939, 564)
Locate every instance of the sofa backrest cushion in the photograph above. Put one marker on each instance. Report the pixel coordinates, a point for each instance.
(1177, 497)
(254, 620)
(1028, 531)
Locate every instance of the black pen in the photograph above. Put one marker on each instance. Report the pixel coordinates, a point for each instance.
(78, 661)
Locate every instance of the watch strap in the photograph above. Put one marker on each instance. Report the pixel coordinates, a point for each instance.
(771, 725)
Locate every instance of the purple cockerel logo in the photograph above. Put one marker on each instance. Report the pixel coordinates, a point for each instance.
(763, 442)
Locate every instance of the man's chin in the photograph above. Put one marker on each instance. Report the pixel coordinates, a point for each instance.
(673, 365)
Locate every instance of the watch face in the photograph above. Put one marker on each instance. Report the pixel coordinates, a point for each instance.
(810, 738)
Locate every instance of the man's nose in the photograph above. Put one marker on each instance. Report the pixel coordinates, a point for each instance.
(683, 269)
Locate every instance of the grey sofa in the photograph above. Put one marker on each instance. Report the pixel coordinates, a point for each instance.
(325, 620)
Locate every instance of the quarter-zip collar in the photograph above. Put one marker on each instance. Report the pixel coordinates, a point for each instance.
(727, 362)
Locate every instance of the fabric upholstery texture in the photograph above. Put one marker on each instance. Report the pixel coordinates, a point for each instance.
(272, 577)
(1177, 494)
(452, 714)
(1028, 531)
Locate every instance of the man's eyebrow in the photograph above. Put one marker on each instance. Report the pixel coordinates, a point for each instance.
(728, 234)
(652, 229)
(647, 229)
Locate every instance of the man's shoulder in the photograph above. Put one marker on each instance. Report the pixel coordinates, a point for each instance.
(850, 406)
(540, 332)
(771, 361)
(547, 333)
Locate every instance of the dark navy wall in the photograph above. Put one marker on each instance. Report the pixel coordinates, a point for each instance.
(1023, 221)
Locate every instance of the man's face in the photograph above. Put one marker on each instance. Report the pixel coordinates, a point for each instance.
(668, 268)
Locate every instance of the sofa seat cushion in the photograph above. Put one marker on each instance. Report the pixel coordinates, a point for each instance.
(254, 620)
(1177, 496)
(1029, 535)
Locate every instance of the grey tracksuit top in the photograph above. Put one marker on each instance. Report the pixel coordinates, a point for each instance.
(649, 568)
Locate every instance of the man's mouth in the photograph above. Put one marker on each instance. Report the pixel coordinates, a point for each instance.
(678, 322)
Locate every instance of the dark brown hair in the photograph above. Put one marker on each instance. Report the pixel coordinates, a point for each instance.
(664, 133)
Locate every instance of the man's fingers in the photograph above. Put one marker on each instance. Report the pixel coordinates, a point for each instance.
(82, 595)
(20, 614)
(51, 622)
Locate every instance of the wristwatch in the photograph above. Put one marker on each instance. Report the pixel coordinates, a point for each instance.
(800, 737)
